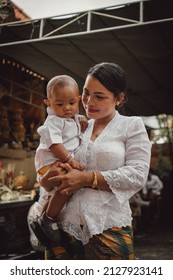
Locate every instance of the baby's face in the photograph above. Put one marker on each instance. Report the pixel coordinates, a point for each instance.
(64, 101)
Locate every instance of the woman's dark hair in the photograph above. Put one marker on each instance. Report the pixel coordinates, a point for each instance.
(111, 76)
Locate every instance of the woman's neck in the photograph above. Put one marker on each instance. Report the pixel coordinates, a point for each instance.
(99, 126)
(104, 121)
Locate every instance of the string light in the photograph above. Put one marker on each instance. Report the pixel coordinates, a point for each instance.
(21, 68)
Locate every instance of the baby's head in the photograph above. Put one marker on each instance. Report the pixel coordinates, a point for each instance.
(63, 96)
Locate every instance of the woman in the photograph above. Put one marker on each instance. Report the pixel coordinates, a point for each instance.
(116, 153)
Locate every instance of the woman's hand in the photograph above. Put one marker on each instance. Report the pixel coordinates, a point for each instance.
(56, 169)
(83, 123)
(72, 181)
(75, 164)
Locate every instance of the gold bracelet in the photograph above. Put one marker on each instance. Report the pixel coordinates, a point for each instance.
(65, 160)
(94, 184)
(70, 160)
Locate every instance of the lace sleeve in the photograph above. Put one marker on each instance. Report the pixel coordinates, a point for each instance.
(130, 178)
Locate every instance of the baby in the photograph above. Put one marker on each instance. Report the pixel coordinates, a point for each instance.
(60, 138)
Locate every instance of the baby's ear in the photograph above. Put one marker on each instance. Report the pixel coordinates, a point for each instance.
(46, 102)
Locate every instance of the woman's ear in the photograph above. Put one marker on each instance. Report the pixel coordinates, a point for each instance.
(46, 102)
(120, 99)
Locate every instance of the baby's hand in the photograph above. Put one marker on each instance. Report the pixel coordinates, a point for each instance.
(83, 123)
(76, 165)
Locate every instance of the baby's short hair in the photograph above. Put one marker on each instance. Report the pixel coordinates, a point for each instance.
(60, 81)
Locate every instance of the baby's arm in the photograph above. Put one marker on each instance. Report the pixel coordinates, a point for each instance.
(61, 153)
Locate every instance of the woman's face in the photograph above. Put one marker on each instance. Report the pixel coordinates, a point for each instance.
(98, 101)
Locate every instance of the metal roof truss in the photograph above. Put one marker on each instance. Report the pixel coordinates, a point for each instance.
(58, 27)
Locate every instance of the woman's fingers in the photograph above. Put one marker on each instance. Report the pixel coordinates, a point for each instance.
(69, 182)
(66, 166)
(65, 190)
(56, 178)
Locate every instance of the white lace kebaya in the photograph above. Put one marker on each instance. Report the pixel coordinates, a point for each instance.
(122, 154)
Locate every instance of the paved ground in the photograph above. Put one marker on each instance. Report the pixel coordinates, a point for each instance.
(154, 244)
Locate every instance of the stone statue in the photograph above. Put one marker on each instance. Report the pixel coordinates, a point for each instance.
(17, 129)
(4, 126)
